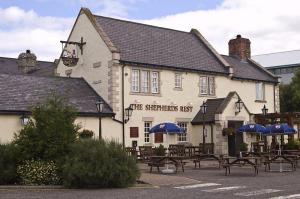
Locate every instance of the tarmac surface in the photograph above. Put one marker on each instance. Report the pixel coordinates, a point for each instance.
(207, 182)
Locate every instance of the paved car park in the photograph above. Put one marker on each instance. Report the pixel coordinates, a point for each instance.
(208, 182)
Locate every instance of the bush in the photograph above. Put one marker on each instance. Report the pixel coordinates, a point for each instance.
(86, 134)
(99, 164)
(160, 151)
(293, 145)
(38, 172)
(243, 147)
(8, 164)
(49, 133)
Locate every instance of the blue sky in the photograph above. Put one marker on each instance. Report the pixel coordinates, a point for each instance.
(39, 25)
(137, 9)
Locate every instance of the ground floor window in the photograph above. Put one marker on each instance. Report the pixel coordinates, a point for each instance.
(147, 126)
(158, 137)
(182, 137)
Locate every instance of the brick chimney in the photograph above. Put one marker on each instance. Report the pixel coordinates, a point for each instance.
(27, 62)
(240, 48)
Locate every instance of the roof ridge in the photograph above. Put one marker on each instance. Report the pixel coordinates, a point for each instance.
(17, 59)
(139, 23)
(276, 52)
(45, 77)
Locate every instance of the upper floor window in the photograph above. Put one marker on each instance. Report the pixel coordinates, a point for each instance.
(260, 91)
(135, 81)
(178, 80)
(144, 81)
(207, 85)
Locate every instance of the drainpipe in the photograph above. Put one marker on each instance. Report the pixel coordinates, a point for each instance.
(274, 95)
(123, 112)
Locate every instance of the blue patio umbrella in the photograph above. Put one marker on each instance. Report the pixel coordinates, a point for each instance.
(167, 127)
(279, 129)
(252, 128)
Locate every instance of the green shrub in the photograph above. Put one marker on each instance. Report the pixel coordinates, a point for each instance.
(38, 172)
(243, 147)
(48, 135)
(293, 145)
(8, 164)
(160, 150)
(85, 133)
(99, 164)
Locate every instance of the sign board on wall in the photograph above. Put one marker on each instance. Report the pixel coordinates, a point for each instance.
(152, 107)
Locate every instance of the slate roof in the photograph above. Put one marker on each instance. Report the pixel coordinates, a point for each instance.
(245, 69)
(214, 106)
(10, 66)
(24, 91)
(140, 43)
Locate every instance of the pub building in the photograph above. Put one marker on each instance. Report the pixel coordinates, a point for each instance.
(149, 74)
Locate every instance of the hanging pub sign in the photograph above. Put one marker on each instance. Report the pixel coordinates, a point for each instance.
(152, 107)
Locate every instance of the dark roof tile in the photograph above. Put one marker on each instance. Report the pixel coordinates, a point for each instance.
(21, 92)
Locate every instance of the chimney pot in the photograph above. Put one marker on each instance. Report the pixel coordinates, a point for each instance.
(240, 47)
(28, 51)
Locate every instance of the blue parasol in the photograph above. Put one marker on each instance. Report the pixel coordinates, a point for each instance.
(252, 128)
(279, 129)
(167, 127)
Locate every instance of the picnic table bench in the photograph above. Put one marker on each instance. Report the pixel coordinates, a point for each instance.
(279, 159)
(161, 161)
(240, 162)
(207, 157)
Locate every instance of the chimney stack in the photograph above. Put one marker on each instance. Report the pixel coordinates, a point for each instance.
(240, 48)
(27, 62)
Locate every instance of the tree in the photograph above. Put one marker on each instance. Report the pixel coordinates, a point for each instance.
(290, 95)
(49, 133)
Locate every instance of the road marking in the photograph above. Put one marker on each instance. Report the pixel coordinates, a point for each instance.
(197, 186)
(287, 197)
(258, 192)
(224, 189)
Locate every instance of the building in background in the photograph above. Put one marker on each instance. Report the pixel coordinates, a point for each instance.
(283, 64)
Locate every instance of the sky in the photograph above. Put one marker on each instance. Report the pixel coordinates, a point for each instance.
(39, 25)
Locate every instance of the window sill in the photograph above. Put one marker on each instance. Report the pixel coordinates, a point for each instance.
(177, 89)
(146, 94)
(209, 96)
(261, 101)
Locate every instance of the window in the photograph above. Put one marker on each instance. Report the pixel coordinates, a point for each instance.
(154, 82)
(134, 132)
(147, 126)
(207, 85)
(182, 137)
(178, 80)
(144, 81)
(260, 91)
(135, 81)
(158, 137)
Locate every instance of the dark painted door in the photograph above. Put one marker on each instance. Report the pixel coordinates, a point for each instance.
(235, 140)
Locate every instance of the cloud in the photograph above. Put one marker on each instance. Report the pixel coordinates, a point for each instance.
(21, 30)
(271, 25)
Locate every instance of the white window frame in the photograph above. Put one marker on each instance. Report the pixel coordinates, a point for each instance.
(135, 81)
(260, 91)
(178, 80)
(147, 127)
(145, 81)
(155, 82)
(182, 137)
(207, 85)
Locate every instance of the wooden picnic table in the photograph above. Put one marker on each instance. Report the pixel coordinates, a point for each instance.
(160, 161)
(281, 158)
(208, 157)
(241, 162)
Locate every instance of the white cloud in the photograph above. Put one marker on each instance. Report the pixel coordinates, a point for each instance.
(21, 30)
(271, 25)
